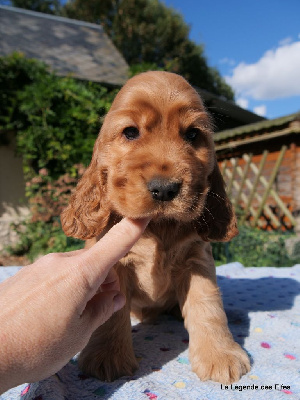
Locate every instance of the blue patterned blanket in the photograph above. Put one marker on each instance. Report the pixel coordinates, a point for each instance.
(263, 310)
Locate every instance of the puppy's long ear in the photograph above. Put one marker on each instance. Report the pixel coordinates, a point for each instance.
(217, 222)
(87, 213)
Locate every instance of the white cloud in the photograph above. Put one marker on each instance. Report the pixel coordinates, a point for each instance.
(260, 110)
(275, 75)
(242, 102)
(228, 61)
(286, 41)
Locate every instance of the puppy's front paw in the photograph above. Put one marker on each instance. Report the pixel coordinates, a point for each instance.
(221, 364)
(107, 365)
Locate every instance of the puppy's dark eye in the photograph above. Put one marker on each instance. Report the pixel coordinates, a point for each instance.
(131, 133)
(191, 135)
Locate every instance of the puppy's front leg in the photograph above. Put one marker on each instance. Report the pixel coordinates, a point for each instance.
(109, 353)
(213, 352)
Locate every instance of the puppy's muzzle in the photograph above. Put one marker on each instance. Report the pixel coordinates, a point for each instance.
(163, 189)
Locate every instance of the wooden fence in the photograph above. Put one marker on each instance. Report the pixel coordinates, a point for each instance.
(251, 186)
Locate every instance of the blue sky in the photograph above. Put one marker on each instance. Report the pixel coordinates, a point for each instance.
(255, 45)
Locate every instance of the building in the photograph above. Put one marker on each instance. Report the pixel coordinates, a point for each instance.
(261, 166)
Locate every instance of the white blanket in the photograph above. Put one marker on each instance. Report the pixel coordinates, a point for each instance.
(263, 309)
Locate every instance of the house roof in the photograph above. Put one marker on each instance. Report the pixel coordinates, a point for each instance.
(227, 114)
(68, 46)
(257, 132)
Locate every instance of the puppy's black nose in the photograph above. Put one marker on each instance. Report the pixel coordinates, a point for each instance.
(163, 189)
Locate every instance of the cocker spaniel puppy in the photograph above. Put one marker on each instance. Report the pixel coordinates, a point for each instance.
(154, 157)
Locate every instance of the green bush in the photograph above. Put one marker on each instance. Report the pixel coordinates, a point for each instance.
(42, 233)
(255, 248)
(56, 119)
(40, 237)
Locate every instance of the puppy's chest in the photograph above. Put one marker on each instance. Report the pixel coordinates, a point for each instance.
(150, 266)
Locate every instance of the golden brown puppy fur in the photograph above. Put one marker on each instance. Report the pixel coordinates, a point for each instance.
(155, 157)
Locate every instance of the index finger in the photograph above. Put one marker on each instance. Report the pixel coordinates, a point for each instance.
(99, 259)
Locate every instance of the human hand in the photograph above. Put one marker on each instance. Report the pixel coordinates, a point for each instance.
(50, 308)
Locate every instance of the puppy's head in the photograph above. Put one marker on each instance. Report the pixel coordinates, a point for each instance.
(154, 157)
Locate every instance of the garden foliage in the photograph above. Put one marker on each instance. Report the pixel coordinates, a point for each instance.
(47, 198)
(255, 248)
(56, 121)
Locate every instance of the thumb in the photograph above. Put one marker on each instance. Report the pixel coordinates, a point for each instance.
(102, 306)
(99, 259)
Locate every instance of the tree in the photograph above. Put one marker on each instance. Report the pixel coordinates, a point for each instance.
(95, 11)
(45, 6)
